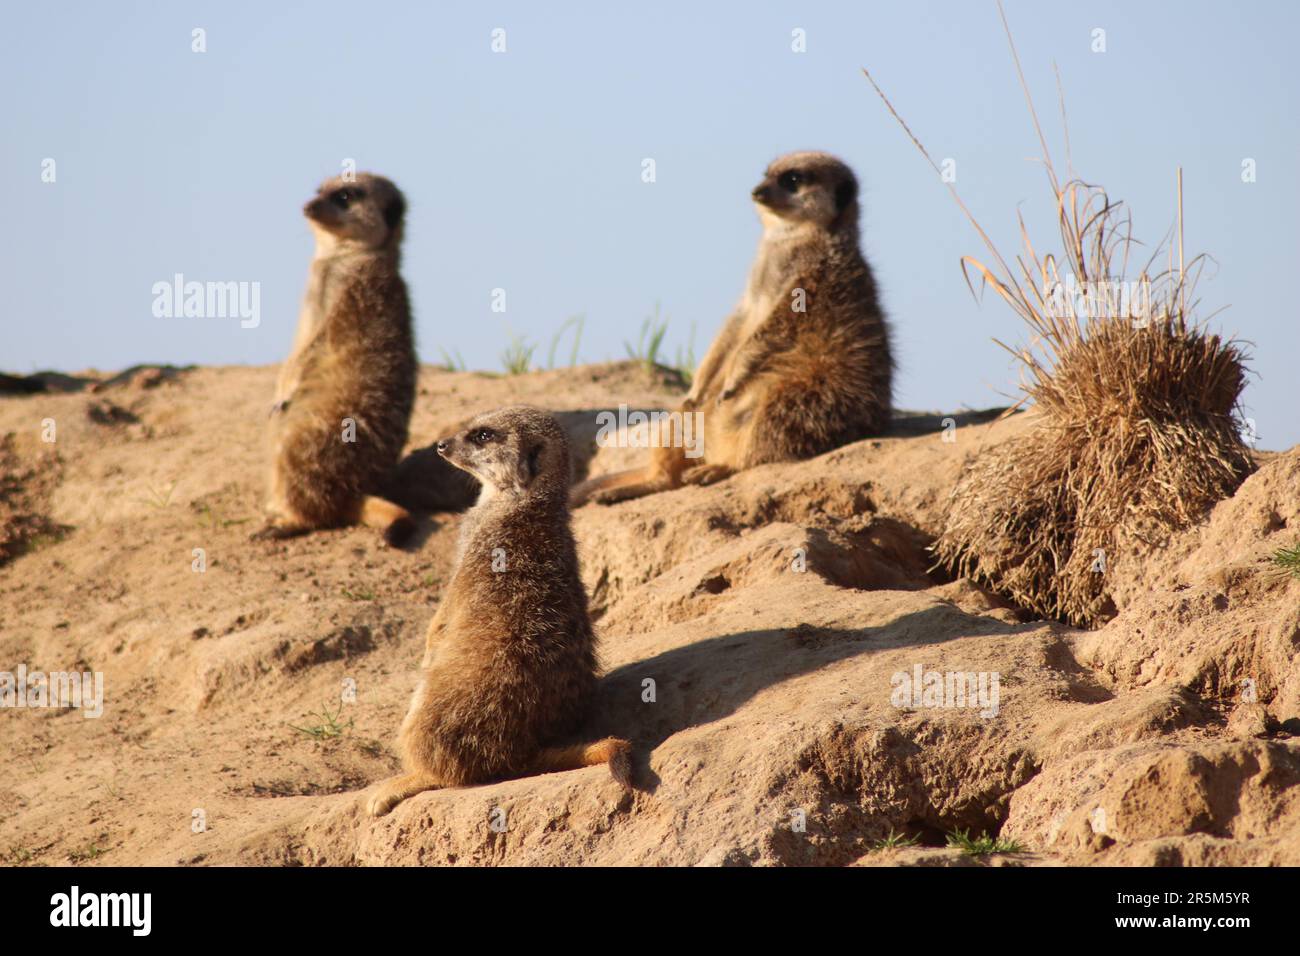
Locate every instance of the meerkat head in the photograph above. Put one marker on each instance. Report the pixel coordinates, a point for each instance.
(365, 209)
(807, 188)
(518, 450)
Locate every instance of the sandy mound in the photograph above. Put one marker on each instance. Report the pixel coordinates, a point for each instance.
(761, 639)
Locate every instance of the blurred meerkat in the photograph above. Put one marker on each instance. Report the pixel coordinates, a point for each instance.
(509, 669)
(803, 365)
(344, 397)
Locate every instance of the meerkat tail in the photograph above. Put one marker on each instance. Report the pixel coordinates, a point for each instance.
(394, 790)
(619, 486)
(612, 750)
(393, 520)
(581, 493)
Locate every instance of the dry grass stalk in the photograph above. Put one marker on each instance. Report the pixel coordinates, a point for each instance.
(1140, 429)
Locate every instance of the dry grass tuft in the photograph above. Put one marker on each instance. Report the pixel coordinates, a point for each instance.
(1140, 429)
(1127, 452)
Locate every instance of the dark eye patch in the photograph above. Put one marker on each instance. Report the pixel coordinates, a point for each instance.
(790, 181)
(481, 436)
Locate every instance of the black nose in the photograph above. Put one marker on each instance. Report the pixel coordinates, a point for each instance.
(442, 447)
(762, 193)
(311, 209)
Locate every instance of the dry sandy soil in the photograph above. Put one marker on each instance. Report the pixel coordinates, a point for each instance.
(753, 634)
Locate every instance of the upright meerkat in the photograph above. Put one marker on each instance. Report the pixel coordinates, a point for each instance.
(509, 669)
(344, 398)
(803, 365)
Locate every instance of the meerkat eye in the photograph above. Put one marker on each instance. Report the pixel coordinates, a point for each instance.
(341, 198)
(481, 436)
(790, 181)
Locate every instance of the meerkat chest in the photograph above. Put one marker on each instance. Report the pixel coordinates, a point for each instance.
(323, 287)
(769, 279)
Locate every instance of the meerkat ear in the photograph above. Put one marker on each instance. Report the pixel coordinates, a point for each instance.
(845, 193)
(394, 211)
(530, 464)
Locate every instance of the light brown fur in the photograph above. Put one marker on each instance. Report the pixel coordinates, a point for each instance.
(778, 384)
(509, 669)
(344, 397)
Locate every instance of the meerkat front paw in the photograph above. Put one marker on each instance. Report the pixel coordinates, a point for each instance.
(276, 531)
(382, 800)
(389, 793)
(705, 474)
(612, 496)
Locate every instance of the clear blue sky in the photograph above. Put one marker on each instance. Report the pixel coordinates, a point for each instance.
(523, 168)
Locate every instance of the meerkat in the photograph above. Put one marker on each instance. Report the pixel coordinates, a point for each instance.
(803, 364)
(344, 397)
(509, 669)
